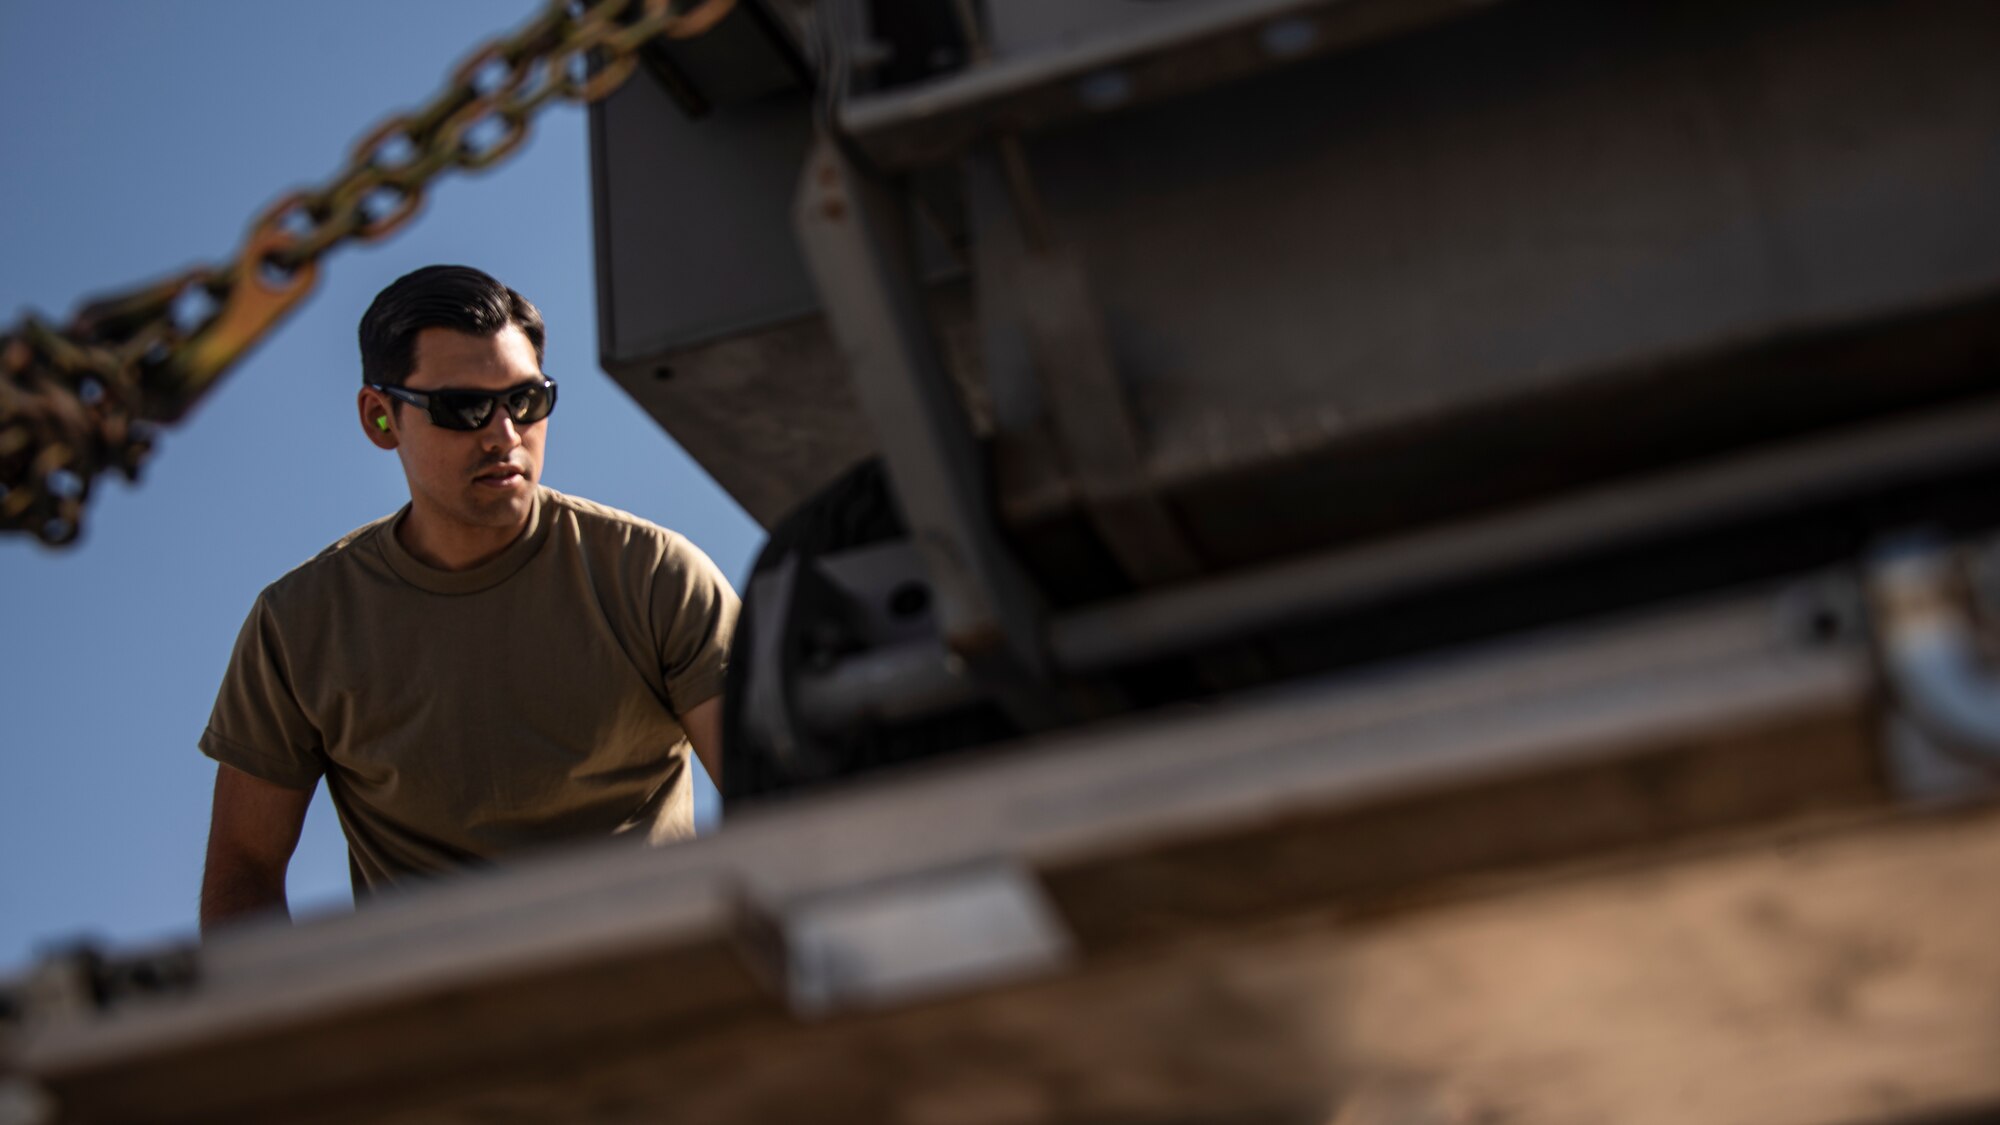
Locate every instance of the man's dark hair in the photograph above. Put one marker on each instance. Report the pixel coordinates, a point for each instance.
(456, 297)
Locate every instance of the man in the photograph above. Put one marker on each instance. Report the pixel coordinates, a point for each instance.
(495, 667)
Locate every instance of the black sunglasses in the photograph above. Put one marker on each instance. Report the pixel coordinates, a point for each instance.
(471, 410)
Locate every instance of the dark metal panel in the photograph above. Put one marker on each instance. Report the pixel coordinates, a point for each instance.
(695, 234)
(1546, 206)
(1551, 190)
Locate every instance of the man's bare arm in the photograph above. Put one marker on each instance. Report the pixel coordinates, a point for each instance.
(703, 724)
(251, 835)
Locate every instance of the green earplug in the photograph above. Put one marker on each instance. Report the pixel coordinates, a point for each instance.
(382, 423)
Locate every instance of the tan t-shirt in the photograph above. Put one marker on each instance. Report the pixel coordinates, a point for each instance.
(462, 715)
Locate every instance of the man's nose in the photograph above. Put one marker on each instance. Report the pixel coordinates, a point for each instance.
(499, 431)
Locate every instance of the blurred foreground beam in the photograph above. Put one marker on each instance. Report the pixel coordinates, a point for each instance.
(1653, 869)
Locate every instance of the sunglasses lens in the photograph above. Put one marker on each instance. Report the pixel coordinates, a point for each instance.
(528, 405)
(461, 411)
(471, 410)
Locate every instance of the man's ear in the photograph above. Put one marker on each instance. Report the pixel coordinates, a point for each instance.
(378, 420)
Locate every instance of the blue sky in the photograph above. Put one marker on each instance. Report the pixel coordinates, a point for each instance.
(141, 138)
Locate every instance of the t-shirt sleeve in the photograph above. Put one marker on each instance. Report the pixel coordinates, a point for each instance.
(257, 725)
(694, 616)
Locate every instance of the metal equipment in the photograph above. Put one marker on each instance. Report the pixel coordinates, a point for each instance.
(1208, 344)
(1413, 561)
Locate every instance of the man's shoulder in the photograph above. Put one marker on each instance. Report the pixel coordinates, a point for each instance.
(308, 579)
(602, 523)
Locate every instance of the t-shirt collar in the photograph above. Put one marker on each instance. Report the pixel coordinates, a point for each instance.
(486, 575)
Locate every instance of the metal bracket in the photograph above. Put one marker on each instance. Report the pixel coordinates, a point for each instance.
(1928, 652)
(918, 936)
(884, 664)
(903, 670)
(854, 230)
(1020, 260)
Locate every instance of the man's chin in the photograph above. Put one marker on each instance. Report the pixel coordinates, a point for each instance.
(498, 508)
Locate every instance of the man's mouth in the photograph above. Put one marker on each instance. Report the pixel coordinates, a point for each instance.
(499, 476)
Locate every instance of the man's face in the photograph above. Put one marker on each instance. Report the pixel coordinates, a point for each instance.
(479, 479)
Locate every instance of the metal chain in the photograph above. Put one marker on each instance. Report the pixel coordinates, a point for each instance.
(84, 399)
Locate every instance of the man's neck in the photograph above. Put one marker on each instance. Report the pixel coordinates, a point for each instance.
(451, 546)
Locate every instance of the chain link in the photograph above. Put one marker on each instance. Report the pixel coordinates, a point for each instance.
(84, 400)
